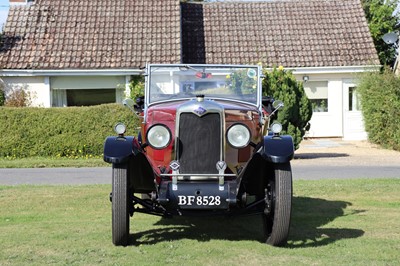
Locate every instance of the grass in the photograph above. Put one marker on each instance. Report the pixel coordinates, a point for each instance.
(42, 162)
(335, 222)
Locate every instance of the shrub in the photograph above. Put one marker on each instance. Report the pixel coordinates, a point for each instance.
(18, 98)
(380, 103)
(294, 117)
(136, 86)
(60, 132)
(2, 96)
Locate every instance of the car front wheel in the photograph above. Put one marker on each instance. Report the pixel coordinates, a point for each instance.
(120, 205)
(278, 204)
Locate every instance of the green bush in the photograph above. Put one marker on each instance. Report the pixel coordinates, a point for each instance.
(136, 86)
(297, 112)
(60, 132)
(380, 102)
(2, 96)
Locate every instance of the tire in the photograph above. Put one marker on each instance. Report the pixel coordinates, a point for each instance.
(120, 205)
(276, 217)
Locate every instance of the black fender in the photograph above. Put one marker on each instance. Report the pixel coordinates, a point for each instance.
(118, 149)
(272, 149)
(126, 149)
(277, 149)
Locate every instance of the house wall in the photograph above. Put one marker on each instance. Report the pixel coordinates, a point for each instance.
(51, 91)
(38, 88)
(338, 121)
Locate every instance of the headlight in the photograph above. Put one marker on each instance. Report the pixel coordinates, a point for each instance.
(276, 128)
(238, 136)
(120, 128)
(158, 136)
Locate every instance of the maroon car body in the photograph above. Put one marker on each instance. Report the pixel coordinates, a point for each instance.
(205, 147)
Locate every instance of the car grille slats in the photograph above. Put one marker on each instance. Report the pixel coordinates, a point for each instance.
(199, 146)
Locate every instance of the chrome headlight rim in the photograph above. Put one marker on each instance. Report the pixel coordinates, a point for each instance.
(244, 144)
(276, 128)
(120, 128)
(162, 127)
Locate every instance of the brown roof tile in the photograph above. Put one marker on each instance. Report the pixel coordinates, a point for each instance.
(54, 34)
(292, 33)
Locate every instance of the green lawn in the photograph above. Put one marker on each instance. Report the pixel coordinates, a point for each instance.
(42, 162)
(335, 222)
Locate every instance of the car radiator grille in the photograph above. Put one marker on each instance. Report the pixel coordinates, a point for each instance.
(199, 145)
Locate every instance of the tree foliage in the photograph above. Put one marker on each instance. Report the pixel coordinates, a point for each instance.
(380, 102)
(379, 14)
(2, 97)
(2, 94)
(295, 116)
(136, 86)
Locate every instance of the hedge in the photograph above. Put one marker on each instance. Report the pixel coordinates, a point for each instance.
(380, 101)
(60, 132)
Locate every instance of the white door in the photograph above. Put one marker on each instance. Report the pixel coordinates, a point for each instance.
(353, 123)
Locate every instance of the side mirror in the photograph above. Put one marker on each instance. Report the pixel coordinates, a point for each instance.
(277, 104)
(132, 106)
(128, 103)
(270, 105)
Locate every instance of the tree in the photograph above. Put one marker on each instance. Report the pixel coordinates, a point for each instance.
(136, 86)
(296, 114)
(381, 20)
(2, 95)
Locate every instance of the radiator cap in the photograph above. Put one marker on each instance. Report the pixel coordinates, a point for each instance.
(200, 97)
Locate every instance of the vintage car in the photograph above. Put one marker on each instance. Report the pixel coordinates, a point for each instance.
(205, 146)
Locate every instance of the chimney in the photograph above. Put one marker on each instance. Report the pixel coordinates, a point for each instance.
(21, 2)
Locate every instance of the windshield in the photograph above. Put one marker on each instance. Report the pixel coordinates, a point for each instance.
(239, 83)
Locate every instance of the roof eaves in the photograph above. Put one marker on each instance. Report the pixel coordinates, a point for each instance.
(71, 72)
(332, 70)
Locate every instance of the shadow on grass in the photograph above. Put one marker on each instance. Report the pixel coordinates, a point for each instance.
(308, 215)
(316, 155)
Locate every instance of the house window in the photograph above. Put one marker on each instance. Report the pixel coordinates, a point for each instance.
(317, 92)
(354, 99)
(87, 97)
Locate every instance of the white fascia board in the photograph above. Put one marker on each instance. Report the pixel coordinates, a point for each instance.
(331, 70)
(124, 72)
(70, 72)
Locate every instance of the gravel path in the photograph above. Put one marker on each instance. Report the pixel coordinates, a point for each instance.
(336, 152)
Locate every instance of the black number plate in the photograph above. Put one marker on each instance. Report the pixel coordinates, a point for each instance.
(199, 200)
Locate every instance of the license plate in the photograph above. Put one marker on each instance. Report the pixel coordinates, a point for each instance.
(199, 200)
